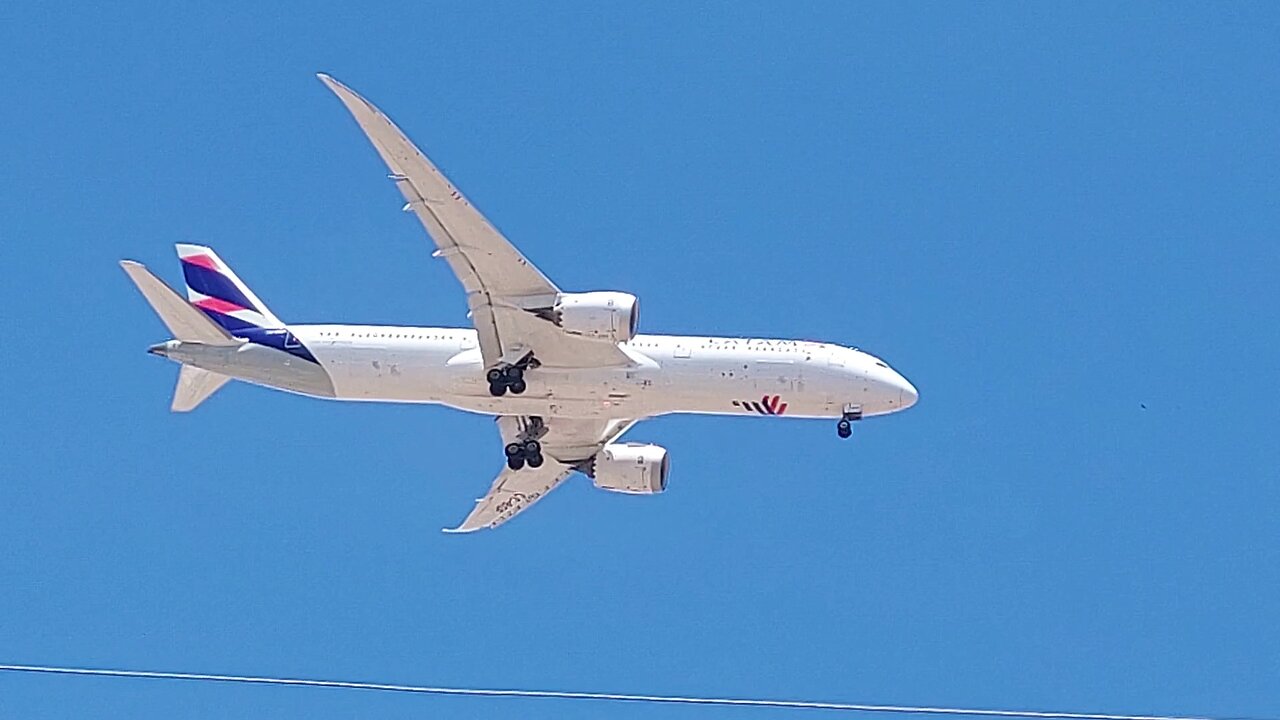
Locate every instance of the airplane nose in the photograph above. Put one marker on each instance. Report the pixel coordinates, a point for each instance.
(909, 395)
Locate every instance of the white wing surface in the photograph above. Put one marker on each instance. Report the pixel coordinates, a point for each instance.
(566, 444)
(194, 387)
(503, 287)
(183, 320)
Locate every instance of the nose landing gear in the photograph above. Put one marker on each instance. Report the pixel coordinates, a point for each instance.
(510, 376)
(851, 414)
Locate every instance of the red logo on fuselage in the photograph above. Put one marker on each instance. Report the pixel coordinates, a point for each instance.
(767, 405)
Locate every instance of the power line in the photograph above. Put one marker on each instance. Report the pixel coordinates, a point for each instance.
(606, 697)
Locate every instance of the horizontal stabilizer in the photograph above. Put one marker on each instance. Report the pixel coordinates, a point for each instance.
(194, 387)
(184, 321)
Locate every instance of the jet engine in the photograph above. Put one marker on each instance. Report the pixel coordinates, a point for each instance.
(606, 315)
(633, 468)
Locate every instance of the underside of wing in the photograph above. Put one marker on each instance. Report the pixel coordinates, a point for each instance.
(565, 446)
(194, 387)
(505, 292)
(512, 492)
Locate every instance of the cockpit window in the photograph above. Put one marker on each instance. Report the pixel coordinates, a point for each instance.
(881, 364)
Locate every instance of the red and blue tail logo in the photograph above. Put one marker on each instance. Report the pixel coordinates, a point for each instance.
(215, 289)
(767, 405)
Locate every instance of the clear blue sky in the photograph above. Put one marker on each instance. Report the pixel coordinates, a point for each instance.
(1045, 216)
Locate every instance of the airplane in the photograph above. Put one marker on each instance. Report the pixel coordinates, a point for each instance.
(566, 374)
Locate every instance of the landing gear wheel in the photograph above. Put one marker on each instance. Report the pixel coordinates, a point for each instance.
(520, 453)
(509, 377)
(844, 429)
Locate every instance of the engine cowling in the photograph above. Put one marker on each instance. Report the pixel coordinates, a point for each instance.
(606, 315)
(633, 468)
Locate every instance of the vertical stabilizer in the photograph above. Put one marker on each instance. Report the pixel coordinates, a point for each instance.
(214, 288)
(194, 387)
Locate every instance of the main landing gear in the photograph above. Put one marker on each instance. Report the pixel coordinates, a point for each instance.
(527, 450)
(521, 453)
(852, 414)
(510, 376)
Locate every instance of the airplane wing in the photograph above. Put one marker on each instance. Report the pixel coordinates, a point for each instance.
(566, 444)
(503, 288)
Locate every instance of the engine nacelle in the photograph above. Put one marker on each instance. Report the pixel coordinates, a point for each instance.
(632, 468)
(606, 315)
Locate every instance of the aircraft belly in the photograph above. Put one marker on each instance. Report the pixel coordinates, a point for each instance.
(394, 374)
(456, 378)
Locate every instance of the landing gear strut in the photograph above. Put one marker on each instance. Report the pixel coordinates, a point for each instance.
(852, 413)
(510, 376)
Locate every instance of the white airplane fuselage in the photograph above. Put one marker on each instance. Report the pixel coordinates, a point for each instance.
(566, 373)
(670, 374)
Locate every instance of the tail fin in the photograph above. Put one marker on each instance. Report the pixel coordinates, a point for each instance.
(194, 387)
(185, 322)
(215, 289)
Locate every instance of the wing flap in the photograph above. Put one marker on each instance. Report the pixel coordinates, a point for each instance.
(552, 345)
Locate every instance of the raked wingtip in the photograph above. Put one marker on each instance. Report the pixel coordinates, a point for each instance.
(332, 83)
